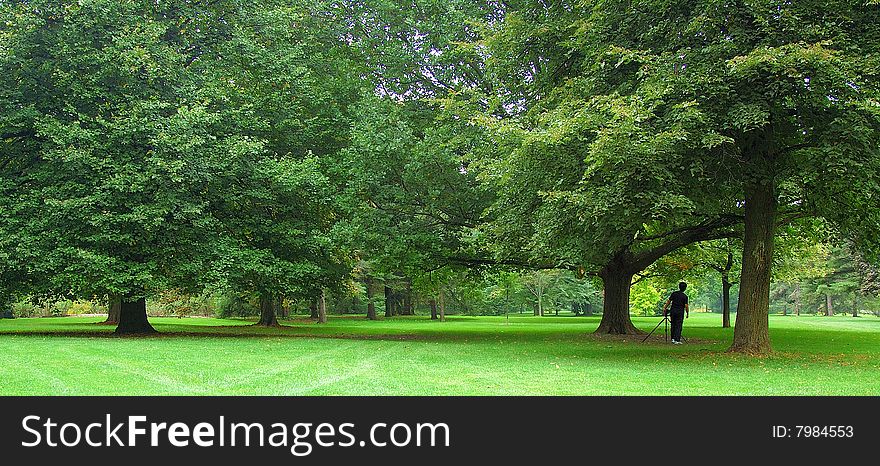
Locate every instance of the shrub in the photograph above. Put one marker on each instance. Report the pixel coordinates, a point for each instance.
(231, 304)
(177, 303)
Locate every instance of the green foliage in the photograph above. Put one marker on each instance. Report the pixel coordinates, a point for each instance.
(148, 147)
(411, 203)
(599, 160)
(645, 299)
(49, 307)
(174, 303)
(110, 140)
(232, 304)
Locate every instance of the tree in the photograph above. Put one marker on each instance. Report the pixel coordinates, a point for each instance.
(789, 91)
(840, 279)
(720, 257)
(412, 201)
(538, 283)
(371, 303)
(773, 97)
(322, 308)
(596, 169)
(504, 286)
(577, 293)
(114, 309)
(389, 301)
(645, 298)
(802, 260)
(109, 143)
(291, 80)
(411, 206)
(363, 272)
(268, 317)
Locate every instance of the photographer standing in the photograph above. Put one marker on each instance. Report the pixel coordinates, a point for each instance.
(678, 307)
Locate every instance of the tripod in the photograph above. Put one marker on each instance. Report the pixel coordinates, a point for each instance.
(665, 329)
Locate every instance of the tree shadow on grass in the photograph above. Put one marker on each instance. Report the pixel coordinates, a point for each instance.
(216, 332)
(653, 339)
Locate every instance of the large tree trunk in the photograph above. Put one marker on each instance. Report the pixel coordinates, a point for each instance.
(407, 309)
(267, 311)
(395, 303)
(752, 332)
(371, 305)
(389, 298)
(615, 311)
(133, 318)
(313, 309)
(725, 301)
(433, 304)
(829, 308)
(114, 308)
(322, 308)
(442, 306)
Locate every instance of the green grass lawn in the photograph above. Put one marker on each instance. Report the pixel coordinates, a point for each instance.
(415, 356)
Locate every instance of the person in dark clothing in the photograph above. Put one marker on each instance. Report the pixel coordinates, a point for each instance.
(677, 304)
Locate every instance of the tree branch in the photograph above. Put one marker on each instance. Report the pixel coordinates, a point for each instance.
(719, 228)
(512, 263)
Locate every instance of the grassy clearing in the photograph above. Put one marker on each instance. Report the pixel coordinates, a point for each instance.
(415, 356)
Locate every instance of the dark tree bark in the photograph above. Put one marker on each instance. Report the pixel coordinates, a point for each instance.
(313, 309)
(442, 304)
(133, 317)
(371, 305)
(725, 299)
(267, 311)
(322, 309)
(615, 311)
(389, 299)
(114, 308)
(829, 307)
(395, 303)
(407, 308)
(726, 284)
(752, 332)
(433, 304)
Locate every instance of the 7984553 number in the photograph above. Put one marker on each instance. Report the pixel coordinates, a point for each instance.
(823, 431)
